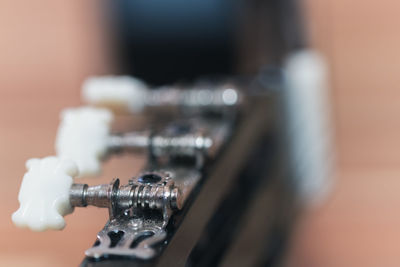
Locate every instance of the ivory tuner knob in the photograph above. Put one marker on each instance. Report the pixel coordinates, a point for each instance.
(83, 137)
(122, 92)
(44, 194)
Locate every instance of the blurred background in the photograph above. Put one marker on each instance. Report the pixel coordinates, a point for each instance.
(47, 48)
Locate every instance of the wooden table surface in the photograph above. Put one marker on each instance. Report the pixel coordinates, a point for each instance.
(47, 47)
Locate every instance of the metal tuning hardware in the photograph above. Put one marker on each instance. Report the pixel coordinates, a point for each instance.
(131, 94)
(84, 136)
(139, 211)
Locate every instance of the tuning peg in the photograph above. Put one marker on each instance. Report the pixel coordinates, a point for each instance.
(83, 137)
(48, 193)
(121, 91)
(44, 194)
(133, 95)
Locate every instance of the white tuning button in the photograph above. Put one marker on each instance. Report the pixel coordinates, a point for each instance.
(83, 137)
(121, 91)
(44, 194)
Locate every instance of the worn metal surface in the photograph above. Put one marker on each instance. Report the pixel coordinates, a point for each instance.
(184, 229)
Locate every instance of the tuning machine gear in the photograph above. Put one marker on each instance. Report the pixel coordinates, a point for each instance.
(128, 93)
(142, 208)
(84, 136)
